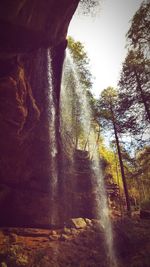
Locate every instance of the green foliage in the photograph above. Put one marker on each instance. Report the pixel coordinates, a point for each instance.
(143, 159)
(139, 32)
(88, 6)
(103, 105)
(134, 94)
(76, 80)
(111, 164)
(122, 112)
(109, 112)
(134, 87)
(143, 171)
(125, 113)
(81, 60)
(71, 126)
(107, 103)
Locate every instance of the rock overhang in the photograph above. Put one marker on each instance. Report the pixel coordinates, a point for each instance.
(27, 25)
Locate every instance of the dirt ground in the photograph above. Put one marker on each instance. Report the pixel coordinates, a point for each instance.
(76, 247)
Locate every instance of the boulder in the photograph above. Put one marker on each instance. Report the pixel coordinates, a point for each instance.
(88, 222)
(77, 223)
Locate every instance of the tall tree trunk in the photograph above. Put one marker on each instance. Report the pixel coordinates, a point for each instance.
(121, 165)
(120, 204)
(144, 100)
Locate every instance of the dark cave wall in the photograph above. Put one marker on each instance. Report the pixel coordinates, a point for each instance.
(26, 26)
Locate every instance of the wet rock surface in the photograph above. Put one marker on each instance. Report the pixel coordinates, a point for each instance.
(24, 197)
(83, 194)
(71, 247)
(25, 28)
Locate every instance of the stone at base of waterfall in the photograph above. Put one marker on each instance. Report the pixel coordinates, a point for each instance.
(67, 231)
(77, 223)
(64, 237)
(54, 236)
(88, 222)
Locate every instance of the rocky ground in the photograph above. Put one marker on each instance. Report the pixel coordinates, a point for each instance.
(81, 244)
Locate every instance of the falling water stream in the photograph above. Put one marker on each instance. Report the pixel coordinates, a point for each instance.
(85, 120)
(53, 142)
(44, 85)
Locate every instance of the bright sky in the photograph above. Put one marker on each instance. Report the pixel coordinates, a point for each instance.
(104, 39)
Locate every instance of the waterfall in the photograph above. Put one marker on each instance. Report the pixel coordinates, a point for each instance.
(73, 91)
(76, 117)
(66, 104)
(42, 82)
(53, 142)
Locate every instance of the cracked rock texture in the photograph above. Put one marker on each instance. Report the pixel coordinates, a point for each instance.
(25, 28)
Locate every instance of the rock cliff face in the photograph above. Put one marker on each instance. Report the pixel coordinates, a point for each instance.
(84, 195)
(26, 26)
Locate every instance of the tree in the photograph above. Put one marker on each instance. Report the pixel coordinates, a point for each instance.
(139, 32)
(109, 117)
(88, 6)
(134, 86)
(134, 80)
(134, 94)
(81, 61)
(77, 82)
(142, 172)
(70, 108)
